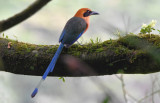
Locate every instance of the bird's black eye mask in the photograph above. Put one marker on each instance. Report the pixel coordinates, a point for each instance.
(87, 13)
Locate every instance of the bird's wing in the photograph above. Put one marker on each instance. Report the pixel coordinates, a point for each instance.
(62, 35)
(74, 28)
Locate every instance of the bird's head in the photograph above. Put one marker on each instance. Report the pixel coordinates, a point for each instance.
(85, 13)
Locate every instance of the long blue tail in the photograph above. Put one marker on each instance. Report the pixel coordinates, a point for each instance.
(49, 69)
(54, 60)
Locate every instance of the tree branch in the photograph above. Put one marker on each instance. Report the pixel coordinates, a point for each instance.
(29, 11)
(130, 55)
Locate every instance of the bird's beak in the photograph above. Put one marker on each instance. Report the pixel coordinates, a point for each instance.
(94, 13)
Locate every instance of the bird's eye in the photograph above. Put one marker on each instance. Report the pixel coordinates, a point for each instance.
(87, 13)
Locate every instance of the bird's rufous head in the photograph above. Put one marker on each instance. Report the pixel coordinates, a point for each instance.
(85, 13)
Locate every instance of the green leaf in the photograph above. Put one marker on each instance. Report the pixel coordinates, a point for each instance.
(148, 29)
(92, 41)
(158, 31)
(110, 40)
(62, 79)
(106, 100)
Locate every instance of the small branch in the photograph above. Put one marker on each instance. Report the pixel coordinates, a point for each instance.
(29, 11)
(132, 97)
(153, 93)
(125, 93)
(154, 80)
(123, 88)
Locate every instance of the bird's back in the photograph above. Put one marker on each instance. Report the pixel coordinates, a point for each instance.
(73, 29)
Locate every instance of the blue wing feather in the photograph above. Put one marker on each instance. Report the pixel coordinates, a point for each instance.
(77, 37)
(62, 35)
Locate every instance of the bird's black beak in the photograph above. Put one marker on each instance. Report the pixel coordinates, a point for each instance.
(94, 13)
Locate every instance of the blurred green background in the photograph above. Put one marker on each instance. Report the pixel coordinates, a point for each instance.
(46, 25)
(45, 28)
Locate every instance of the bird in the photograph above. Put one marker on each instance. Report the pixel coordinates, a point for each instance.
(73, 30)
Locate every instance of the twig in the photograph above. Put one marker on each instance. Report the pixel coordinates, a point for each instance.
(118, 77)
(153, 84)
(131, 96)
(125, 93)
(123, 87)
(118, 61)
(153, 93)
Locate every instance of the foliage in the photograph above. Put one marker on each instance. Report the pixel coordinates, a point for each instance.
(97, 41)
(63, 79)
(117, 33)
(158, 31)
(106, 100)
(5, 36)
(148, 28)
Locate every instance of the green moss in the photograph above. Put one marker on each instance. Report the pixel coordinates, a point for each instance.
(110, 64)
(99, 50)
(31, 67)
(36, 55)
(78, 53)
(51, 49)
(125, 68)
(121, 71)
(128, 54)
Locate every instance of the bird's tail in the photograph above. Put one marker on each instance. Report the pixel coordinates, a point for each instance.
(49, 69)
(54, 60)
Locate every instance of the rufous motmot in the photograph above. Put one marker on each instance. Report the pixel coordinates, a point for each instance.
(74, 28)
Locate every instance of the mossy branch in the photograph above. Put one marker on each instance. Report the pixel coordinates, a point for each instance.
(130, 55)
(29, 11)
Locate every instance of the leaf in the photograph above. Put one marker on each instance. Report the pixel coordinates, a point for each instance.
(92, 41)
(62, 79)
(106, 100)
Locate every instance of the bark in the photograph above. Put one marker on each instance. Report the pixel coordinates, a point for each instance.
(129, 55)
